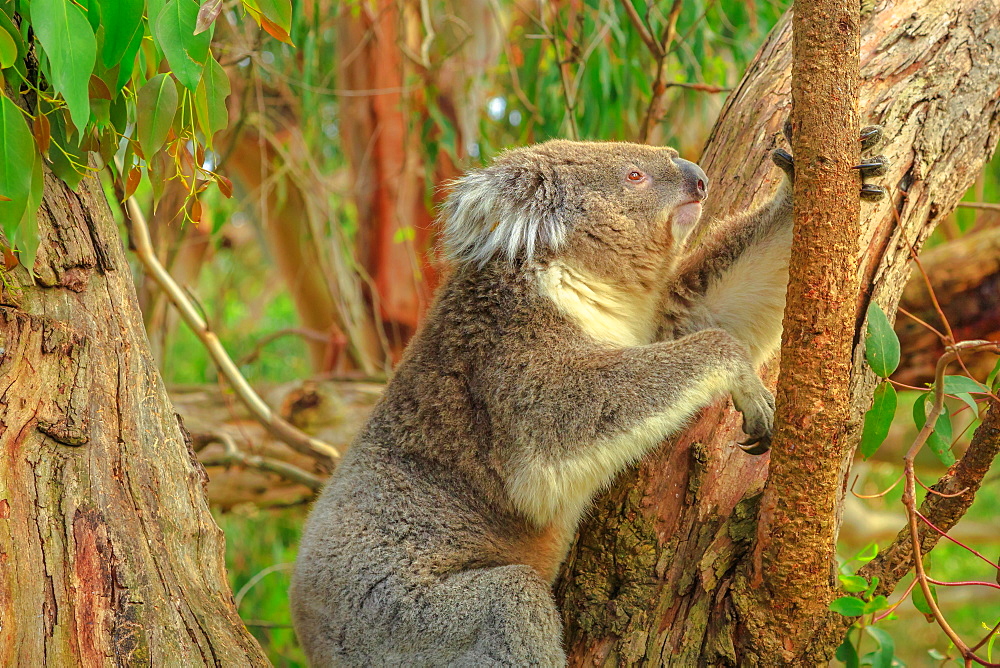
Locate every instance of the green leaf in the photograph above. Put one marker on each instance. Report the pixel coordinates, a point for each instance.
(853, 583)
(8, 49)
(991, 379)
(210, 100)
(876, 604)
(878, 419)
(886, 647)
(868, 553)
(871, 587)
(68, 41)
(174, 33)
(848, 606)
(881, 343)
(127, 63)
(959, 384)
(93, 13)
(27, 231)
(17, 151)
(939, 440)
(920, 601)
(122, 20)
(848, 653)
(155, 109)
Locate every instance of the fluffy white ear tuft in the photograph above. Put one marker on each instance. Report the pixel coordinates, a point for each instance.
(503, 211)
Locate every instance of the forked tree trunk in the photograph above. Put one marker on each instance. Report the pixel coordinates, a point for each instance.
(661, 573)
(108, 553)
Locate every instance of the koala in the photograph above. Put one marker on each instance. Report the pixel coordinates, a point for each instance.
(575, 333)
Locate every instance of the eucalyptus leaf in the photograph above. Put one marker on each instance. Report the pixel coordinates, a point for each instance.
(68, 41)
(939, 440)
(210, 100)
(848, 606)
(8, 49)
(155, 109)
(16, 150)
(122, 19)
(920, 601)
(67, 159)
(886, 647)
(881, 343)
(878, 419)
(848, 653)
(185, 51)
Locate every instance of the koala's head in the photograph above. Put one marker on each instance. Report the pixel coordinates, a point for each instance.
(605, 205)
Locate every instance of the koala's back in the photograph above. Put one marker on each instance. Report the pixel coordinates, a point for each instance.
(412, 555)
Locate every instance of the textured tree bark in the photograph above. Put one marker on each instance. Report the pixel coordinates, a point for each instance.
(660, 573)
(108, 553)
(791, 581)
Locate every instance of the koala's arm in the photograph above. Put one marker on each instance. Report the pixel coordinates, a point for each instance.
(736, 279)
(581, 416)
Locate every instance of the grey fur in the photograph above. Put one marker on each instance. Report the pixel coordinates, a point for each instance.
(569, 340)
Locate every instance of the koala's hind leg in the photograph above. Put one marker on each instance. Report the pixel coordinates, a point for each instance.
(516, 615)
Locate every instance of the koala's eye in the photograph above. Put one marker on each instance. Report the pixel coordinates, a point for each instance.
(636, 176)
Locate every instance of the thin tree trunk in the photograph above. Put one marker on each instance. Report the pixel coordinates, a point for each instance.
(791, 581)
(659, 573)
(108, 553)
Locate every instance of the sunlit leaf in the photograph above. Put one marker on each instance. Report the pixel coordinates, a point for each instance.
(122, 19)
(66, 37)
(848, 606)
(8, 49)
(868, 553)
(185, 51)
(881, 343)
(853, 583)
(878, 419)
(277, 12)
(127, 63)
(155, 109)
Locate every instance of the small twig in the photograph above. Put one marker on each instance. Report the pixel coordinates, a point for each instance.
(257, 578)
(302, 332)
(944, 534)
(640, 26)
(988, 206)
(703, 87)
(874, 496)
(660, 51)
(324, 453)
(233, 455)
(989, 635)
(925, 324)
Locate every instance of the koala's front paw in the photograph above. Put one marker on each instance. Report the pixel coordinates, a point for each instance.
(757, 405)
(870, 137)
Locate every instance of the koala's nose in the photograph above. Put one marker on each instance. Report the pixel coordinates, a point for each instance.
(694, 178)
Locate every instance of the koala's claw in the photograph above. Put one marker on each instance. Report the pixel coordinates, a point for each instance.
(876, 166)
(871, 192)
(757, 405)
(755, 446)
(784, 159)
(871, 136)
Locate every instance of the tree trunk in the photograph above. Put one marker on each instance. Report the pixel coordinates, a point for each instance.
(790, 582)
(659, 574)
(108, 553)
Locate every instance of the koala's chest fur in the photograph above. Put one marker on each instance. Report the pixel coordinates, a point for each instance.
(607, 313)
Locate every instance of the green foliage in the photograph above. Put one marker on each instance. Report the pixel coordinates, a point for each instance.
(881, 343)
(96, 78)
(878, 419)
(939, 440)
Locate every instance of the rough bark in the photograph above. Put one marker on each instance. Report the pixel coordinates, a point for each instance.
(108, 553)
(791, 579)
(659, 573)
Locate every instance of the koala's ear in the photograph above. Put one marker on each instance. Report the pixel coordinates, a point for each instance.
(506, 211)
